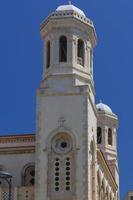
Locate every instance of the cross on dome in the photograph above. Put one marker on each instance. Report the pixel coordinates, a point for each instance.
(69, 2)
(61, 121)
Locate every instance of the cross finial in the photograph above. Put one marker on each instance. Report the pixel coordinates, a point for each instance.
(61, 121)
(69, 2)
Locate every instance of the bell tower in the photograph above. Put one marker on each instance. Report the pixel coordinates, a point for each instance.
(66, 114)
(107, 124)
(69, 41)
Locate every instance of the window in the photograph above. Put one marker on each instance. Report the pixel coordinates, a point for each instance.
(63, 49)
(59, 167)
(80, 52)
(61, 158)
(131, 197)
(99, 135)
(28, 178)
(110, 139)
(57, 174)
(48, 55)
(68, 174)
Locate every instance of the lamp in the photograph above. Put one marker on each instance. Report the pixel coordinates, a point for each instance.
(8, 178)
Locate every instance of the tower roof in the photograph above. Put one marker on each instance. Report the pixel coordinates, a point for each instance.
(70, 7)
(104, 108)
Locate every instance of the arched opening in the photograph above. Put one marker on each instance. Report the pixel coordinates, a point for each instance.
(28, 175)
(99, 135)
(63, 49)
(48, 55)
(80, 52)
(110, 137)
(62, 165)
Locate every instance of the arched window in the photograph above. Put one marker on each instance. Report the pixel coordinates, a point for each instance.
(110, 137)
(62, 165)
(80, 52)
(63, 49)
(48, 55)
(99, 135)
(28, 176)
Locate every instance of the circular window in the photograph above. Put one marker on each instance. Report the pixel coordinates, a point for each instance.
(56, 189)
(67, 163)
(56, 164)
(67, 188)
(67, 173)
(62, 143)
(57, 169)
(67, 178)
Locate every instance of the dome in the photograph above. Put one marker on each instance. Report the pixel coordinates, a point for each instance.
(70, 7)
(103, 108)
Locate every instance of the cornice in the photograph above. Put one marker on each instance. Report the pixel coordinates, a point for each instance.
(17, 138)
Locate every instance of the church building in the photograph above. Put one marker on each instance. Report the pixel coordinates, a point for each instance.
(73, 154)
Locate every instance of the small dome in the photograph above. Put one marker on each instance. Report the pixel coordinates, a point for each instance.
(70, 7)
(103, 108)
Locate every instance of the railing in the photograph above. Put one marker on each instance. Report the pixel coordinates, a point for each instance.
(18, 193)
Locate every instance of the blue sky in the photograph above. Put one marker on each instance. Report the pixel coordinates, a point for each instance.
(21, 61)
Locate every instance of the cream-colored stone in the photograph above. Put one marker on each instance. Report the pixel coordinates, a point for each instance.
(67, 120)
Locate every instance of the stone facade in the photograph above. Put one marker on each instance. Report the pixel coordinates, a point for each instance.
(75, 150)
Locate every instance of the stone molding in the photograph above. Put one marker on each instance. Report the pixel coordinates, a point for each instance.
(17, 138)
(17, 144)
